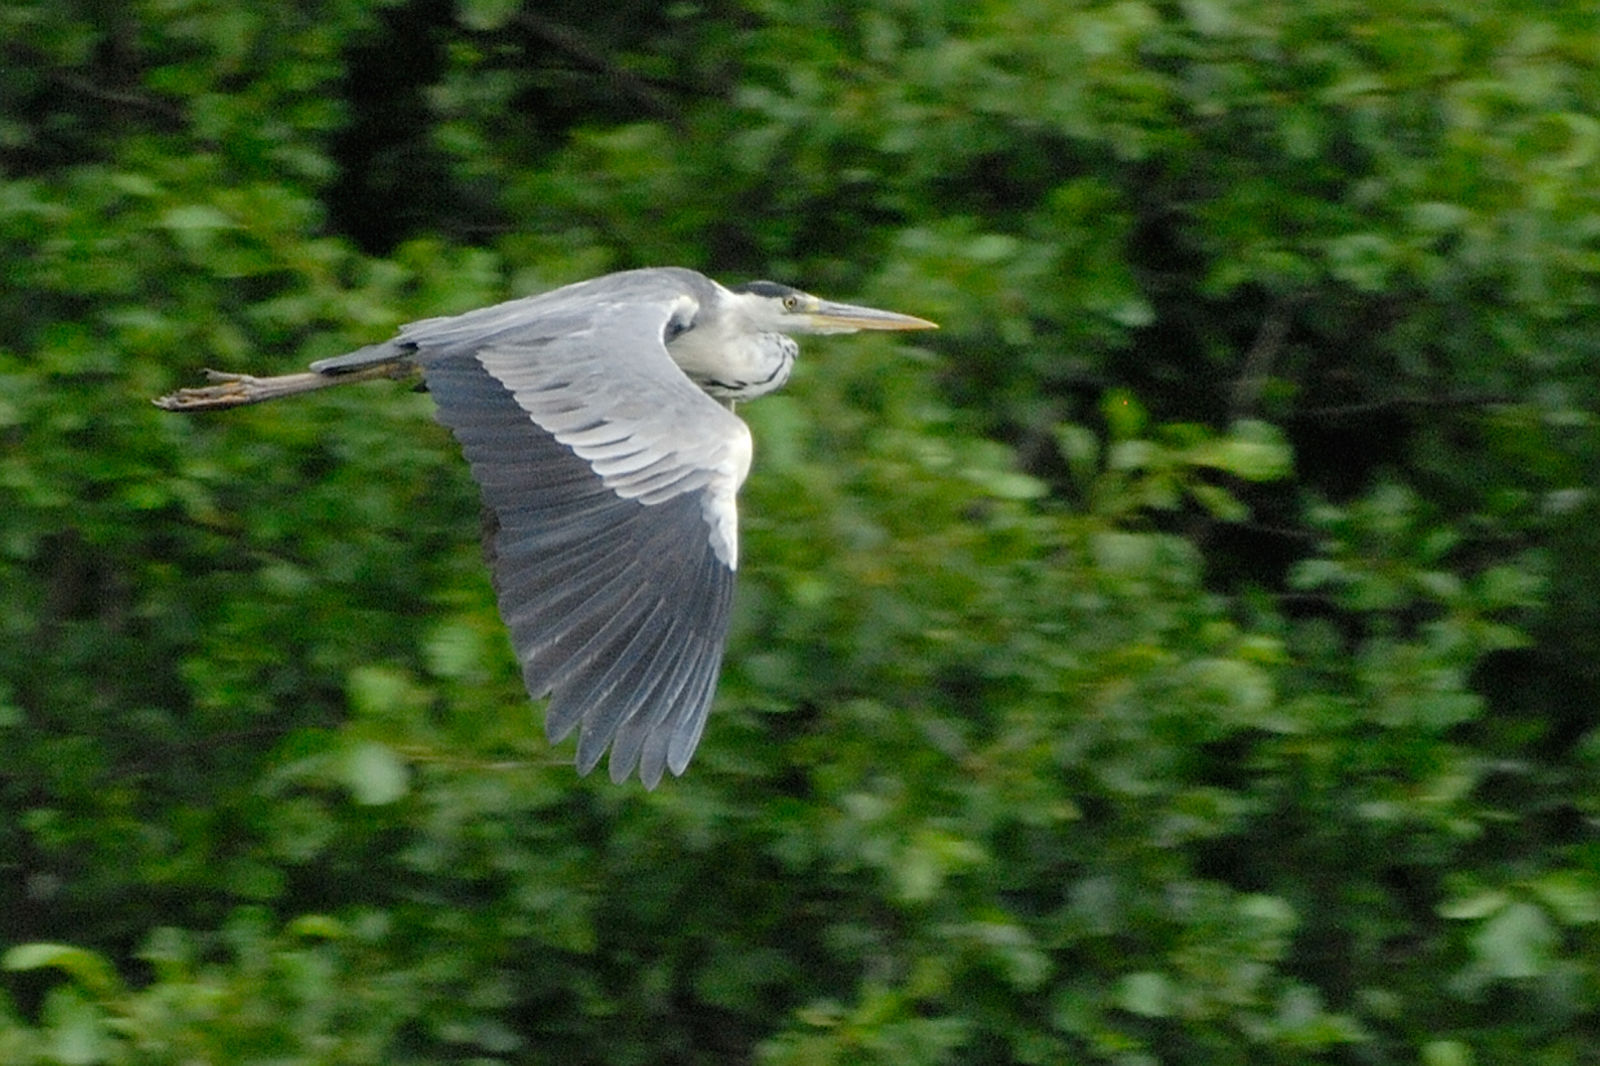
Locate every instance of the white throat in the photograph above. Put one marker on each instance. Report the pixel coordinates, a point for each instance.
(734, 354)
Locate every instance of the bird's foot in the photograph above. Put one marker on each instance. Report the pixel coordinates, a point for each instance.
(234, 390)
(227, 390)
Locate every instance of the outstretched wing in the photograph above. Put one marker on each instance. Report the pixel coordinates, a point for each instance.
(611, 479)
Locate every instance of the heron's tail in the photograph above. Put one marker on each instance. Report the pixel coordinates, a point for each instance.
(236, 390)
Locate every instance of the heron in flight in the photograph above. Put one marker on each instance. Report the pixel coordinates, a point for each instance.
(598, 422)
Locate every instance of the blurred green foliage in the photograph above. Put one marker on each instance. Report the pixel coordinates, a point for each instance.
(1189, 655)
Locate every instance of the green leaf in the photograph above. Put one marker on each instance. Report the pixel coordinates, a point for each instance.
(317, 926)
(1572, 895)
(77, 1028)
(1009, 484)
(196, 217)
(1131, 454)
(1123, 414)
(486, 15)
(374, 773)
(384, 692)
(1446, 1053)
(1243, 688)
(1516, 943)
(89, 969)
(1147, 994)
(1219, 502)
(1257, 451)
(1080, 448)
(456, 650)
(1254, 451)
(1477, 905)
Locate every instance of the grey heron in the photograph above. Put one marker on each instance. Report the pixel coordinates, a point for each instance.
(597, 421)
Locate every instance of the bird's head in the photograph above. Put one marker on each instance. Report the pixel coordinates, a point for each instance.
(776, 308)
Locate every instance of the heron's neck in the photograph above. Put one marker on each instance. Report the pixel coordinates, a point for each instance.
(734, 365)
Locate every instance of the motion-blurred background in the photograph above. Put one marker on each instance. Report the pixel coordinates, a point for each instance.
(1189, 655)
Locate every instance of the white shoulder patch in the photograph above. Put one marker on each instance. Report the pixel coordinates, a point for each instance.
(721, 501)
(684, 308)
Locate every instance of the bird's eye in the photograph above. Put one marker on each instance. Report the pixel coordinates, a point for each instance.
(791, 303)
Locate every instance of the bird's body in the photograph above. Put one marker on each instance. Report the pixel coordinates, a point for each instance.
(609, 469)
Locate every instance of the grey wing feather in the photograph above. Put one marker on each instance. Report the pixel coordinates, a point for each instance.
(611, 480)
